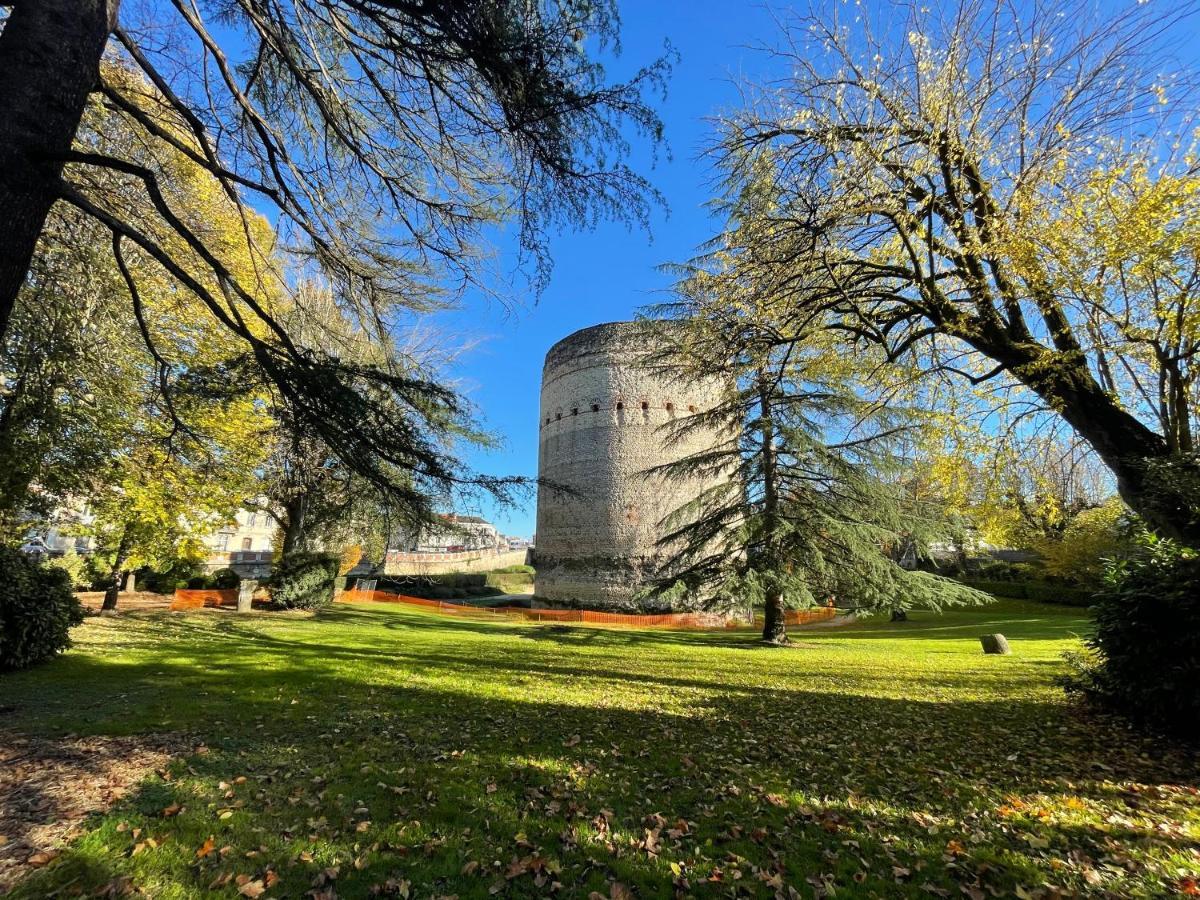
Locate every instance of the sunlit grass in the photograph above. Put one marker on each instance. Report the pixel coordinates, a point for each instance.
(498, 759)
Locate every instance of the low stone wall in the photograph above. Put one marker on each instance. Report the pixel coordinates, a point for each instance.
(398, 563)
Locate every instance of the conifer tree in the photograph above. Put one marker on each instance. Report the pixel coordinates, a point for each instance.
(810, 507)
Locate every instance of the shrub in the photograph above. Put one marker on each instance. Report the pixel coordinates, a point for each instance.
(76, 568)
(305, 580)
(199, 583)
(513, 570)
(1039, 591)
(37, 611)
(1145, 652)
(1089, 541)
(177, 576)
(225, 579)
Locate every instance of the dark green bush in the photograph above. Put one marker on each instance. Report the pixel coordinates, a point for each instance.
(1145, 652)
(225, 579)
(175, 577)
(998, 570)
(37, 611)
(1040, 591)
(305, 580)
(199, 583)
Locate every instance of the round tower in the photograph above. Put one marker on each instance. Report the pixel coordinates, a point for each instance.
(602, 427)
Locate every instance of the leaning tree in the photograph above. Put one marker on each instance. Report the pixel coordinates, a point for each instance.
(997, 193)
(383, 138)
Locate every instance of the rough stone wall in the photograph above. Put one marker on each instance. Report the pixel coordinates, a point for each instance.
(400, 563)
(601, 425)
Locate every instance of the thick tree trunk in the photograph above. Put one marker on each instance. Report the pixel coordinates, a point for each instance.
(1128, 447)
(774, 627)
(49, 62)
(899, 615)
(1131, 451)
(113, 591)
(293, 526)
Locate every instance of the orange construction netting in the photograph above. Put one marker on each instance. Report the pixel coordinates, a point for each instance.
(699, 620)
(198, 599)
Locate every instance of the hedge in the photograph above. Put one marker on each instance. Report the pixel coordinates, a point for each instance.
(1039, 591)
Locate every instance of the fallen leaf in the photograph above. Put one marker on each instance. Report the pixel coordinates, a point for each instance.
(41, 858)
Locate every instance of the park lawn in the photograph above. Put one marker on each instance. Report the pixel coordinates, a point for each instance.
(383, 750)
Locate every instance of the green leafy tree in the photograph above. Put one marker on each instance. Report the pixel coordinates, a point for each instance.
(160, 495)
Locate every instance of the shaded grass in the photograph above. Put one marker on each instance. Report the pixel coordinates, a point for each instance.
(498, 759)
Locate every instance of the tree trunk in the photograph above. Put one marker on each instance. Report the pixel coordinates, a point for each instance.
(114, 577)
(774, 627)
(293, 526)
(1128, 447)
(49, 62)
(899, 615)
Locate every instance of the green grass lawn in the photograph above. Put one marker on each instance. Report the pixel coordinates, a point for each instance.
(376, 750)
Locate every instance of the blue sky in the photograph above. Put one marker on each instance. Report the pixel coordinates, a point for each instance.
(609, 273)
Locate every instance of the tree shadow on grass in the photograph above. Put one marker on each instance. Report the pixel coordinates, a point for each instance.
(834, 782)
(511, 749)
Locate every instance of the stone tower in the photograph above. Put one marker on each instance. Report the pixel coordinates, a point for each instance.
(601, 429)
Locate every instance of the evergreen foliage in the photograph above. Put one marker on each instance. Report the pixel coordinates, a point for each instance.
(1145, 651)
(808, 506)
(37, 611)
(225, 579)
(305, 580)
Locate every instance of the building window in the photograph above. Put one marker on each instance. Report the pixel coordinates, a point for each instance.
(645, 405)
(246, 542)
(574, 410)
(222, 543)
(595, 407)
(691, 409)
(252, 521)
(670, 407)
(557, 416)
(620, 405)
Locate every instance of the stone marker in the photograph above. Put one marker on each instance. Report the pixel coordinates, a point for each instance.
(995, 643)
(245, 600)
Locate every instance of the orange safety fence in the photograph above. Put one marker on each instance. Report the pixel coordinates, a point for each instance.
(698, 620)
(198, 599)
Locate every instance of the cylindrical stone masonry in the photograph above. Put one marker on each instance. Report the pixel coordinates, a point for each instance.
(602, 428)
